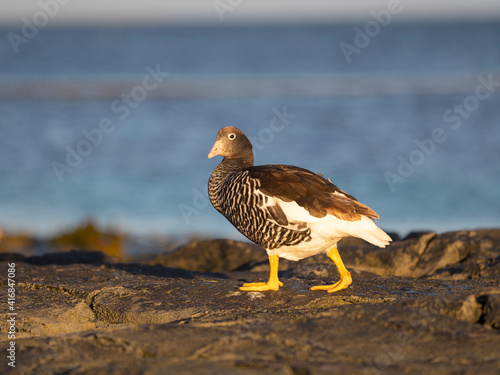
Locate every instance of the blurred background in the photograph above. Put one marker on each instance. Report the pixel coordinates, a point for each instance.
(108, 111)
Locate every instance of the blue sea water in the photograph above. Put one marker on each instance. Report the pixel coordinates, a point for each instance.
(289, 87)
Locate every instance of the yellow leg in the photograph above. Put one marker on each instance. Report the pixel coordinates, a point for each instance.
(272, 284)
(345, 276)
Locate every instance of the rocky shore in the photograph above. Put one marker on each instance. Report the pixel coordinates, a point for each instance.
(429, 304)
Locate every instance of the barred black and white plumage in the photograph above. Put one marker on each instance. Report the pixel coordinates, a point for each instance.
(236, 196)
(292, 212)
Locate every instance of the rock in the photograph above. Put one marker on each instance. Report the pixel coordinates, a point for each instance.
(478, 307)
(491, 309)
(417, 235)
(81, 314)
(70, 257)
(213, 256)
(453, 255)
(469, 254)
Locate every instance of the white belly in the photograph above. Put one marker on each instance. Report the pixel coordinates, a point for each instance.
(304, 249)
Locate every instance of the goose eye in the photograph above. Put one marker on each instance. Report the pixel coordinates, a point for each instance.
(231, 136)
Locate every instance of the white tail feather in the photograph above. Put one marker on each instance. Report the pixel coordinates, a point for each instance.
(368, 231)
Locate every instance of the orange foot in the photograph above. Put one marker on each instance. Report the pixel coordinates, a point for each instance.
(272, 284)
(344, 282)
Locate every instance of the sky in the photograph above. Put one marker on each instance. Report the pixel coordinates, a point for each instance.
(117, 12)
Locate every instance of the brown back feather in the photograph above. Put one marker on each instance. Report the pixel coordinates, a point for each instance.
(311, 191)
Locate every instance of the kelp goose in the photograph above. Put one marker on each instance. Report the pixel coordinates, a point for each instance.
(291, 212)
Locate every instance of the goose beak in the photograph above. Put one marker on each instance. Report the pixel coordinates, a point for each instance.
(215, 150)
